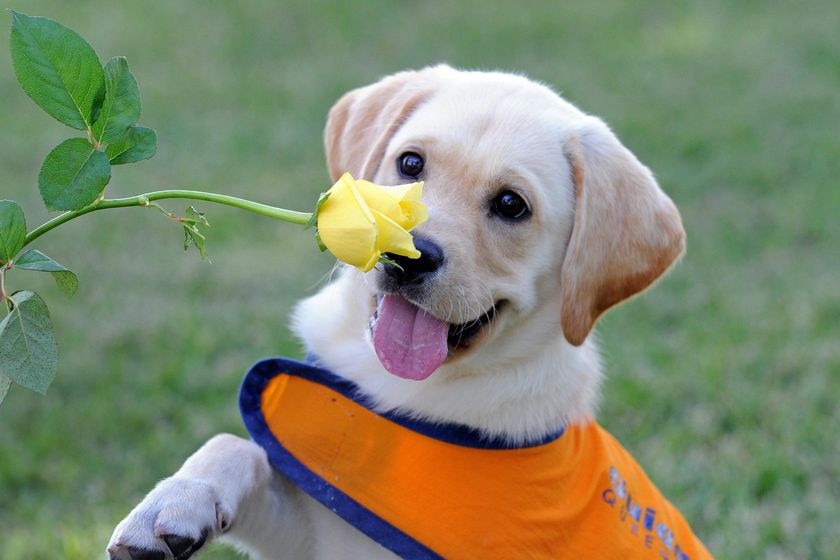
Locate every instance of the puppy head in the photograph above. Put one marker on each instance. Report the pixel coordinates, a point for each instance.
(539, 218)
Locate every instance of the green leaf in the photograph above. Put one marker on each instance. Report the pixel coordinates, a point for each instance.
(192, 233)
(320, 243)
(36, 260)
(73, 175)
(195, 217)
(139, 143)
(387, 261)
(57, 68)
(5, 382)
(12, 230)
(313, 220)
(28, 351)
(121, 107)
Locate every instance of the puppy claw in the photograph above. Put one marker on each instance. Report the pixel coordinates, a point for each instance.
(142, 554)
(222, 519)
(120, 552)
(184, 547)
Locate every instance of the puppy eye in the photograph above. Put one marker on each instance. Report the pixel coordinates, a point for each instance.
(511, 206)
(410, 164)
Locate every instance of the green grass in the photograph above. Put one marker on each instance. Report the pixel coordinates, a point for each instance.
(723, 381)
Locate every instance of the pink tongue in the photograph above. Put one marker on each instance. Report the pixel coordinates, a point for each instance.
(409, 342)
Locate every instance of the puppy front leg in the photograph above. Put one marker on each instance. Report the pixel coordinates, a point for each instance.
(226, 488)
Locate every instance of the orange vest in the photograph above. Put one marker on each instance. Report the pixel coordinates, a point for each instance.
(427, 490)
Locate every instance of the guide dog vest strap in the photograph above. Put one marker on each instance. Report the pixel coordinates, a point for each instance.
(427, 490)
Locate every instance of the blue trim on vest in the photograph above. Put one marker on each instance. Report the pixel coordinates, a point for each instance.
(250, 398)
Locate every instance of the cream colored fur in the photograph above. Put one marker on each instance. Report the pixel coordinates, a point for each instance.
(601, 230)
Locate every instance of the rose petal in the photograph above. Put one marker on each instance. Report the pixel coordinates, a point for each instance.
(347, 227)
(393, 238)
(361, 220)
(400, 203)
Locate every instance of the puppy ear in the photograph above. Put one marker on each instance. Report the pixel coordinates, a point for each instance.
(363, 121)
(626, 231)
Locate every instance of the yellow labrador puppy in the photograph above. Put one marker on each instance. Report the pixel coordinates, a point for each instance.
(466, 381)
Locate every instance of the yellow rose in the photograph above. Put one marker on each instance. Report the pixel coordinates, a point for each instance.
(359, 220)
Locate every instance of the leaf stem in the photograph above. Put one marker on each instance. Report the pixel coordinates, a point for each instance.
(300, 218)
(3, 295)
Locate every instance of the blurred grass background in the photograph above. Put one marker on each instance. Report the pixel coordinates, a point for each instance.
(723, 380)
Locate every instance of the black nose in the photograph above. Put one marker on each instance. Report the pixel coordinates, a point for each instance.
(414, 271)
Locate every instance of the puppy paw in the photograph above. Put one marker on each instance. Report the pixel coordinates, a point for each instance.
(173, 522)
